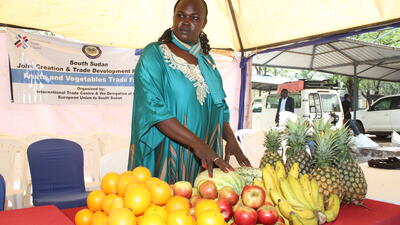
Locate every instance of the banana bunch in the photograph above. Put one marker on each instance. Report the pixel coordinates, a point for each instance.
(297, 198)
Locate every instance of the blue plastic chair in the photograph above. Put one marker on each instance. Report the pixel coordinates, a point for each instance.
(56, 167)
(2, 193)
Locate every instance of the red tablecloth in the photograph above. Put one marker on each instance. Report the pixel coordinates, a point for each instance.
(378, 213)
(41, 215)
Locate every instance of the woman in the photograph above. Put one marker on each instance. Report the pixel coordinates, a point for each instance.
(179, 114)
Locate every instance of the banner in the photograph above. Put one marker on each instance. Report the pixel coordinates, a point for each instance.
(52, 70)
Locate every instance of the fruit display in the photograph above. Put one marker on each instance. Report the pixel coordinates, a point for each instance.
(272, 144)
(222, 179)
(137, 198)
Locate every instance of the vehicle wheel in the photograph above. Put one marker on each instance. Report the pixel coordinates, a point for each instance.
(360, 127)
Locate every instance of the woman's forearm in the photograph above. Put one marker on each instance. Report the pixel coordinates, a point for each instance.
(177, 132)
(228, 134)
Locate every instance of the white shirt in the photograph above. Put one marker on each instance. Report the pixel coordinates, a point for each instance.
(283, 104)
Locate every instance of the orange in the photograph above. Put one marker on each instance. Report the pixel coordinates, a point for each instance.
(95, 200)
(158, 210)
(122, 216)
(99, 218)
(180, 217)
(210, 217)
(141, 174)
(205, 204)
(117, 203)
(126, 172)
(123, 181)
(152, 219)
(107, 202)
(83, 217)
(177, 203)
(138, 200)
(160, 192)
(151, 181)
(132, 185)
(109, 183)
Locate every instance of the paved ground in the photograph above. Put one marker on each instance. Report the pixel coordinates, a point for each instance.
(381, 141)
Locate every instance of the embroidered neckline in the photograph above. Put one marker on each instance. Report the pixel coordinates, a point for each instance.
(192, 72)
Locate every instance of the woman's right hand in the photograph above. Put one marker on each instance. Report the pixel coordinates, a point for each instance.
(208, 158)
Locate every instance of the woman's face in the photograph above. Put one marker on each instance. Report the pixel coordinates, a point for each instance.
(189, 20)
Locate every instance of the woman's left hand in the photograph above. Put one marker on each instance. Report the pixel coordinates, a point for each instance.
(232, 148)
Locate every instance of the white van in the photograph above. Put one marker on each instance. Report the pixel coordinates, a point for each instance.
(309, 103)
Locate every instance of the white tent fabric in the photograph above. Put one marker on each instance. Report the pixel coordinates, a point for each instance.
(373, 61)
(260, 23)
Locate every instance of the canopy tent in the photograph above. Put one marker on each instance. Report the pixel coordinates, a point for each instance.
(343, 56)
(232, 24)
(373, 61)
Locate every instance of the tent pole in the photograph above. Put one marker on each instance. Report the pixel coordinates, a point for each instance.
(355, 92)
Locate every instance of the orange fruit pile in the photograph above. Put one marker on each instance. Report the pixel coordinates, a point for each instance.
(136, 198)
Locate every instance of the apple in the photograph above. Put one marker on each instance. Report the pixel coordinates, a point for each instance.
(253, 196)
(208, 190)
(245, 216)
(279, 223)
(267, 215)
(280, 219)
(229, 194)
(226, 208)
(182, 188)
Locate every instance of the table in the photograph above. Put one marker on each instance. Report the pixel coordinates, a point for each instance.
(383, 184)
(379, 213)
(40, 215)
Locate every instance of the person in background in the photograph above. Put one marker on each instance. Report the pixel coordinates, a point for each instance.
(286, 103)
(346, 105)
(180, 115)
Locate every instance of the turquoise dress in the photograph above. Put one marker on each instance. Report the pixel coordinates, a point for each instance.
(166, 86)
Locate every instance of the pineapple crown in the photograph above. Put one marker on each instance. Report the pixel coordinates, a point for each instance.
(327, 145)
(273, 139)
(297, 134)
(343, 140)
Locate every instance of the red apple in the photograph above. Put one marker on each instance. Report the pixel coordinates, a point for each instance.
(208, 190)
(281, 220)
(245, 216)
(182, 188)
(279, 223)
(267, 215)
(253, 196)
(229, 194)
(226, 208)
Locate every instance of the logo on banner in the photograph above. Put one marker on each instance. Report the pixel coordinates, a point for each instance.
(91, 51)
(21, 41)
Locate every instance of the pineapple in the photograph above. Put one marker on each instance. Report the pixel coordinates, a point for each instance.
(325, 158)
(272, 144)
(350, 173)
(297, 138)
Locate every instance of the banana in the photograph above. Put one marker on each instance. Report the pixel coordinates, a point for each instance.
(269, 181)
(271, 170)
(285, 208)
(294, 170)
(316, 196)
(290, 195)
(298, 191)
(276, 196)
(306, 185)
(280, 170)
(295, 220)
(259, 183)
(333, 208)
(312, 221)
